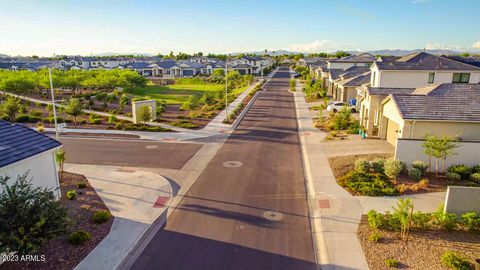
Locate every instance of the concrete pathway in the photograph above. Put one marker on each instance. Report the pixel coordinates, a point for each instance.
(131, 196)
(355, 145)
(427, 203)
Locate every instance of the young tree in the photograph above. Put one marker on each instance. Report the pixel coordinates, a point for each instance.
(30, 216)
(448, 144)
(11, 107)
(123, 102)
(60, 159)
(144, 114)
(74, 108)
(191, 103)
(218, 73)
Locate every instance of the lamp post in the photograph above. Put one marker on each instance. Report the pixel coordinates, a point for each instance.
(53, 103)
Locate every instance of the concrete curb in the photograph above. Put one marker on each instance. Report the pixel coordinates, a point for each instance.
(245, 110)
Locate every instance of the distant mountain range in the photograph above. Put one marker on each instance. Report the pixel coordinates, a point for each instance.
(396, 52)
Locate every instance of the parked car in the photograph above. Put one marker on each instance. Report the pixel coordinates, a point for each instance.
(338, 105)
(296, 75)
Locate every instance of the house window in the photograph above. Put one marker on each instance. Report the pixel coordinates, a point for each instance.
(461, 77)
(376, 118)
(431, 77)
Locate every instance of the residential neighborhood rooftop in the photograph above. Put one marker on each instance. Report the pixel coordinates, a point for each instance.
(424, 61)
(19, 142)
(385, 91)
(360, 58)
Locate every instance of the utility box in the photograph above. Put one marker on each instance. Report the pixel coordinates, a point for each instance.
(136, 105)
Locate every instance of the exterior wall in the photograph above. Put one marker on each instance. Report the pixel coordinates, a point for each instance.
(411, 150)
(337, 65)
(368, 106)
(137, 104)
(43, 170)
(413, 79)
(461, 200)
(463, 130)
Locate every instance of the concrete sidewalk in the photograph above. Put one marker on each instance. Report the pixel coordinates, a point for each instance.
(130, 195)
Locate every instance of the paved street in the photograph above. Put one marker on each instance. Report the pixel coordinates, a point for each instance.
(248, 208)
(128, 152)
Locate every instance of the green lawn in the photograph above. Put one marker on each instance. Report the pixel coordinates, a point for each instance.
(179, 93)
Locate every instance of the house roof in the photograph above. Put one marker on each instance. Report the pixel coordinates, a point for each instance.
(19, 142)
(424, 61)
(388, 58)
(136, 65)
(474, 61)
(445, 102)
(385, 91)
(357, 80)
(354, 71)
(166, 64)
(335, 73)
(360, 58)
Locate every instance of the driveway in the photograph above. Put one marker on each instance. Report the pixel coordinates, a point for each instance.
(248, 208)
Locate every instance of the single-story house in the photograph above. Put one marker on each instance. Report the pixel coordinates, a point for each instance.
(23, 149)
(445, 109)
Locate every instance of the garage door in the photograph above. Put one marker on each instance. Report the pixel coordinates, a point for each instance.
(188, 72)
(392, 134)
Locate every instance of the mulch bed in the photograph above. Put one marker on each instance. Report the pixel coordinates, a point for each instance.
(423, 250)
(59, 254)
(341, 165)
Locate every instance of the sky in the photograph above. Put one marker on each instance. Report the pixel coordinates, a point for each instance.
(86, 27)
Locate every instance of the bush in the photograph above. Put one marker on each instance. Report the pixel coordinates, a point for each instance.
(34, 119)
(446, 221)
(367, 184)
(96, 121)
(475, 169)
(475, 177)
(375, 236)
(393, 168)
(101, 217)
(391, 262)
(461, 169)
(423, 183)
(71, 194)
(83, 121)
(421, 220)
(78, 237)
(100, 95)
(112, 119)
(81, 185)
(451, 176)
(30, 216)
(415, 174)
(361, 165)
(184, 124)
(471, 221)
(22, 118)
(375, 219)
(377, 165)
(454, 261)
(118, 126)
(421, 166)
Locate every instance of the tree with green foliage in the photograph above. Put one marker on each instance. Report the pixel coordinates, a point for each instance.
(218, 73)
(11, 107)
(144, 114)
(190, 104)
(29, 216)
(123, 102)
(74, 108)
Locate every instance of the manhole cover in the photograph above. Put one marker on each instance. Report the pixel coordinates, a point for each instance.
(232, 164)
(151, 146)
(273, 216)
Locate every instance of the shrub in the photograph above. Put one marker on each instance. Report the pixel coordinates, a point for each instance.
(446, 221)
(471, 221)
(184, 124)
(367, 184)
(81, 185)
(454, 261)
(34, 119)
(402, 188)
(475, 177)
(22, 118)
(118, 126)
(423, 183)
(96, 121)
(30, 216)
(421, 220)
(375, 236)
(393, 168)
(399, 219)
(83, 121)
(451, 176)
(71, 194)
(101, 216)
(415, 174)
(461, 169)
(334, 133)
(100, 95)
(112, 119)
(78, 237)
(375, 219)
(361, 166)
(475, 169)
(40, 127)
(390, 262)
(421, 166)
(377, 165)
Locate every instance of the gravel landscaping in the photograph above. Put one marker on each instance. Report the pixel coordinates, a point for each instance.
(59, 254)
(422, 251)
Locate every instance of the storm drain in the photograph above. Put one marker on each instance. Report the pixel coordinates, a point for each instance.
(232, 164)
(273, 215)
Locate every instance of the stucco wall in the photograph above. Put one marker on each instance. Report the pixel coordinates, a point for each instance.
(461, 200)
(411, 150)
(43, 170)
(464, 131)
(407, 79)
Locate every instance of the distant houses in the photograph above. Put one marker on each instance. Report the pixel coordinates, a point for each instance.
(147, 66)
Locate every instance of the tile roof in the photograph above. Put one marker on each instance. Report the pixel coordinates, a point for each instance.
(19, 142)
(446, 102)
(385, 91)
(357, 81)
(354, 71)
(466, 60)
(360, 58)
(424, 61)
(166, 64)
(335, 73)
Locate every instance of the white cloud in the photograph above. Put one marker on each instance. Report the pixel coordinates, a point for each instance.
(420, 1)
(315, 46)
(476, 45)
(441, 46)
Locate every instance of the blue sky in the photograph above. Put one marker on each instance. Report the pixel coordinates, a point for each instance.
(92, 27)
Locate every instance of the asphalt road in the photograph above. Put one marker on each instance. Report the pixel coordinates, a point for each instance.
(223, 222)
(128, 152)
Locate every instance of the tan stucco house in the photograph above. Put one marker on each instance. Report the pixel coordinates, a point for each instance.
(446, 109)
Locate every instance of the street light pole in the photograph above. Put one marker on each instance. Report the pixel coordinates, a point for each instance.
(53, 103)
(226, 89)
